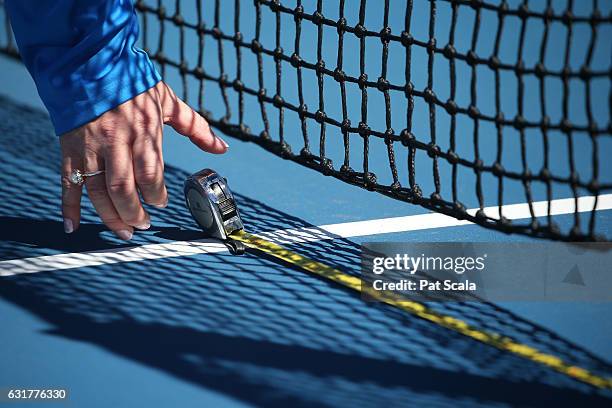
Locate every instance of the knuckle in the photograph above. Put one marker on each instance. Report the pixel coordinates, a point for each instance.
(108, 128)
(150, 139)
(145, 120)
(148, 177)
(120, 187)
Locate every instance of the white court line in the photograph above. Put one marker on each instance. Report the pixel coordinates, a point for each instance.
(324, 232)
(433, 220)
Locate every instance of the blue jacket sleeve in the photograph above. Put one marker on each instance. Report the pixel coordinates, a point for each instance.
(82, 55)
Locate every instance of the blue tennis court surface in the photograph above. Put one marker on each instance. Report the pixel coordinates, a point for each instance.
(213, 329)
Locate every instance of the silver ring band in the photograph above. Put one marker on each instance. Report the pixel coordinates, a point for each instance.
(78, 177)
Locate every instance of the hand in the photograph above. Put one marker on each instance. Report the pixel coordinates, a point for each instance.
(127, 143)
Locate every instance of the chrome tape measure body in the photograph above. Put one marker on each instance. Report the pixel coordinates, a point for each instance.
(212, 204)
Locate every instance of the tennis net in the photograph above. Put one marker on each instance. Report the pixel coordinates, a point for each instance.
(444, 104)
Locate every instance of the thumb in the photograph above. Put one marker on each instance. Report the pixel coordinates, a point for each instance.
(188, 122)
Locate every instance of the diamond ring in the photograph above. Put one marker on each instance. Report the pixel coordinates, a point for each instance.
(78, 177)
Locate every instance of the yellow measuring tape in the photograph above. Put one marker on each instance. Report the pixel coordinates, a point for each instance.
(421, 311)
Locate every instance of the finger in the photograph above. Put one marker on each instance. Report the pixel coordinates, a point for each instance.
(189, 123)
(98, 194)
(149, 169)
(71, 195)
(122, 186)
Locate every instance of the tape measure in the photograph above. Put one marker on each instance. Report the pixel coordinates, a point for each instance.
(213, 207)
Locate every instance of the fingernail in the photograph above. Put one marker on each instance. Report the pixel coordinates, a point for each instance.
(222, 141)
(68, 226)
(125, 235)
(164, 205)
(144, 226)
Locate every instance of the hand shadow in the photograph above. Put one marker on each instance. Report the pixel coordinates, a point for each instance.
(48, 234)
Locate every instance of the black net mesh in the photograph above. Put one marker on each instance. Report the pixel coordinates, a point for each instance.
(444, 104)
(248, 326)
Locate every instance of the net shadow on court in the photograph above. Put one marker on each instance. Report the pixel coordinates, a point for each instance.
(251, 327)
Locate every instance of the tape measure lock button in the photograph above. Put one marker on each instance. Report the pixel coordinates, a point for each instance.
(236, 247)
